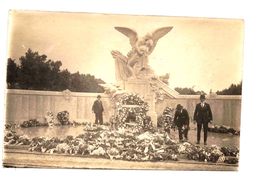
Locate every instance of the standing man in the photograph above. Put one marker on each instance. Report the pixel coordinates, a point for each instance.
(202, 116)
(98, 109)
(181, 120)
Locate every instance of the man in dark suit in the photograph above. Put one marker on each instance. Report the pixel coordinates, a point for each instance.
(181, 120)
(202, 116)
(98, 109)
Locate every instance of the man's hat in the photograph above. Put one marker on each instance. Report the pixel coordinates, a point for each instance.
(179, 107)
(99, 96)
(202, 96)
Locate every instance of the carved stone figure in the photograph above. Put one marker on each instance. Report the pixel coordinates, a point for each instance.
(66, 94)
(114, 91)
(165, 78)
(135, 64)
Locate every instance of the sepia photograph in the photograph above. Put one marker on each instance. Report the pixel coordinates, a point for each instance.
(109, 91)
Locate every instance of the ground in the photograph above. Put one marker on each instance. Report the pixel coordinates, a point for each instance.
(218, 139)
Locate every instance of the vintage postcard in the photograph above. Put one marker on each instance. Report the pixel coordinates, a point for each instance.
(110, 91)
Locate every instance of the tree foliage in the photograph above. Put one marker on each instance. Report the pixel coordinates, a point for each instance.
(188, 91)
(233, 89)
(12, 73)
(36, 72)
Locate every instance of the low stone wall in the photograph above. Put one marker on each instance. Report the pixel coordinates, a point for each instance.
(29, 104)
(225, 109)
(22, 105)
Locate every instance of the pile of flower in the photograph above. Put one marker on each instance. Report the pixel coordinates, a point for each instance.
(101, 141)
(231, 153)
(131, 143)
(11, 126)
(32, 123)
(11, 138)
(213, 153)
(223, 129)
(198, 153)
(131, 108)
(63, 117)
(166, 119)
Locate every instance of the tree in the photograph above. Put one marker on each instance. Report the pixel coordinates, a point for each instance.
(53, 78)
(233, 89)
(12, 73)
(36, 72)
(85, 83)
(188, 91)
(64, 80)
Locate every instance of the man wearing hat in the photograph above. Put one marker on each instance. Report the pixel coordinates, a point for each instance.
(98, 109)
(181, 120)
(202, 116)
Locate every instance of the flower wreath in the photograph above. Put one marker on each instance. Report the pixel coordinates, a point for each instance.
(130, 108)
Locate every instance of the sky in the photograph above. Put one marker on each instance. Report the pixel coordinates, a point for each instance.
(198, 53)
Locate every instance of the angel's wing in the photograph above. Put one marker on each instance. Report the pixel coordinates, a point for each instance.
(123, 71)
(159, 33)
(131, 34)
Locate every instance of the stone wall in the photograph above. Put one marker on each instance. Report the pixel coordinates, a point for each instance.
(29, 104)
(225, 109)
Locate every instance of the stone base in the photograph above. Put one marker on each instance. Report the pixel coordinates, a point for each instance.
(153, 116)
(142, 87)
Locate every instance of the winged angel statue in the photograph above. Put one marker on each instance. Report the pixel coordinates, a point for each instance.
(135, 64)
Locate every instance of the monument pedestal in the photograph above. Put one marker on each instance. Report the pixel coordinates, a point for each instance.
(133, 72)
(143, 88)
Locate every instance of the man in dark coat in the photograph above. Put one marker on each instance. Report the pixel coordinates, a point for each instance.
(98, 109)
(181, 120)
(202, 116)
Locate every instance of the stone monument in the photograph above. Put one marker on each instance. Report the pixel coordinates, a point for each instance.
(133, 72)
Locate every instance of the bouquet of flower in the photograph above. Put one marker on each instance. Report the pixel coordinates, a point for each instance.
(208, 154)
(166, 119)
(63, 117)
(11, 126)
(49, 118)
(11, 138)
(223, 129)
(231, 160)
(32, 123)
(230, 151)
